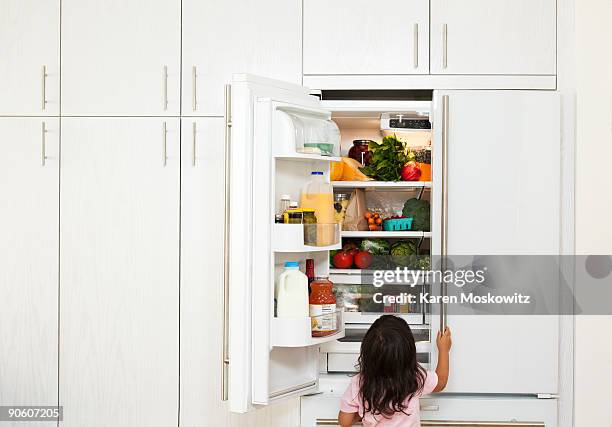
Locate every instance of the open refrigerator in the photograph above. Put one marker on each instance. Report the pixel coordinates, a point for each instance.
(269, 359)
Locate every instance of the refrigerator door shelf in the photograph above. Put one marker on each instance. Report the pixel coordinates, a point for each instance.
(290, 238)
(303, 129)
(297, 331)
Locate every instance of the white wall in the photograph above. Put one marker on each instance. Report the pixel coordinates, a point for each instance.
(593, 355)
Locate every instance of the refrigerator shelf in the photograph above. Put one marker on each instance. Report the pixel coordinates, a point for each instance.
(297, 331)
(307, 157)
(382, 184)
(291, 237)
(388, 234)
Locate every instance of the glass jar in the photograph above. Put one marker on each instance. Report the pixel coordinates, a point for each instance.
(293, 216)
(341, 201)
(322, 307)
(310, 227)
(360, 151)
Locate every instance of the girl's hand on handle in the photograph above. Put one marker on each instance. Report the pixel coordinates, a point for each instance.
(443, 340)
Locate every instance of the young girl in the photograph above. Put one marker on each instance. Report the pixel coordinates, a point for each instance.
(390, 381)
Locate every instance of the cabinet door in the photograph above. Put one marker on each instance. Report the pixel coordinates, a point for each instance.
(119, 272)
(241, 36)
(202, 201)
(493, 37)
(29, 48)
(503, 199)
(121, 57)
(29, 254)
(366, 37)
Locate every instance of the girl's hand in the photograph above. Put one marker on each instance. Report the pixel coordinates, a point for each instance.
(443, 341)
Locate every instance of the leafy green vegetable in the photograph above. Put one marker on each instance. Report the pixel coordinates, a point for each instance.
(419, 210)
(388, 158)
(403, 253)
(375, 246)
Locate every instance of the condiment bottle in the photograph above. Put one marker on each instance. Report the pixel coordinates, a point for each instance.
(322, 307)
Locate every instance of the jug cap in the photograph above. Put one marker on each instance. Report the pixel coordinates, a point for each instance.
(292, 264)
(316, 173)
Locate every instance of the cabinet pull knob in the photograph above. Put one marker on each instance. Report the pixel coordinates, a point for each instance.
(444, 45)
(165, 87)
(194, 92)
(43, 143)
(193, 142)
(165, 145)
(44, 87)
(416, 45)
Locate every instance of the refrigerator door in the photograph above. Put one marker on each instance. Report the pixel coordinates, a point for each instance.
(503, 198)
(264, 366)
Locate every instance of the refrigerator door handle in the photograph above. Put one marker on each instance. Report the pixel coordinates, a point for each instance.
(444, 225)
(446, 423)
(226, 249)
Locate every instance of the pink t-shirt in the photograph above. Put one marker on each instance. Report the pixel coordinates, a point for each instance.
(351, 402)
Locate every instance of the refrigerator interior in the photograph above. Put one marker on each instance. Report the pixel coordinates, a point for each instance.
(354, 289)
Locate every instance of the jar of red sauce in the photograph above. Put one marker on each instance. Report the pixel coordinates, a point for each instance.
(322, 307)
(360, 151)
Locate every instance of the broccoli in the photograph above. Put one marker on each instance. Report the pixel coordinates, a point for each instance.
(419, 210)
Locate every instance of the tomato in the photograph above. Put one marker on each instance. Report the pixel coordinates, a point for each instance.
(363, 259)
(343, 260)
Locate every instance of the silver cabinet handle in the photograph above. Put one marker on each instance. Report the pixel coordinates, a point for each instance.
(444, 216)
(444, 45)
(165, 143)
(416, 45)
(193, 142)
(430, 408)
(165, 87)
(194, 93)
(226, 245)
(44, 86)
(43, 143)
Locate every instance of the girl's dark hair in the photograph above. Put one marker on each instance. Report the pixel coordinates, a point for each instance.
(388, 367)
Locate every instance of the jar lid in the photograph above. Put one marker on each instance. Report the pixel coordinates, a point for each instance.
(307, 210)
(362, 141)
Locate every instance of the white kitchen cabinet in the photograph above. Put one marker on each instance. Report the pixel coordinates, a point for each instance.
(119, 272)
(29, 48)
(29, 253)
(493, 37)
(366, 37)
(242, 36)
(202, 201)
(121, 57)
(503, 150)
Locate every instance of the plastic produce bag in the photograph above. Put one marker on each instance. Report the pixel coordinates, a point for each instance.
(354, 220)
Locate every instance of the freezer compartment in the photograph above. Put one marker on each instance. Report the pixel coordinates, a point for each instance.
(446, 410)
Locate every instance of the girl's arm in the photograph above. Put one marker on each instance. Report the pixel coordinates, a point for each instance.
(444, 343)
(346, 419)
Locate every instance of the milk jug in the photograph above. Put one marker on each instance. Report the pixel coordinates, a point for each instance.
(292, 292)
